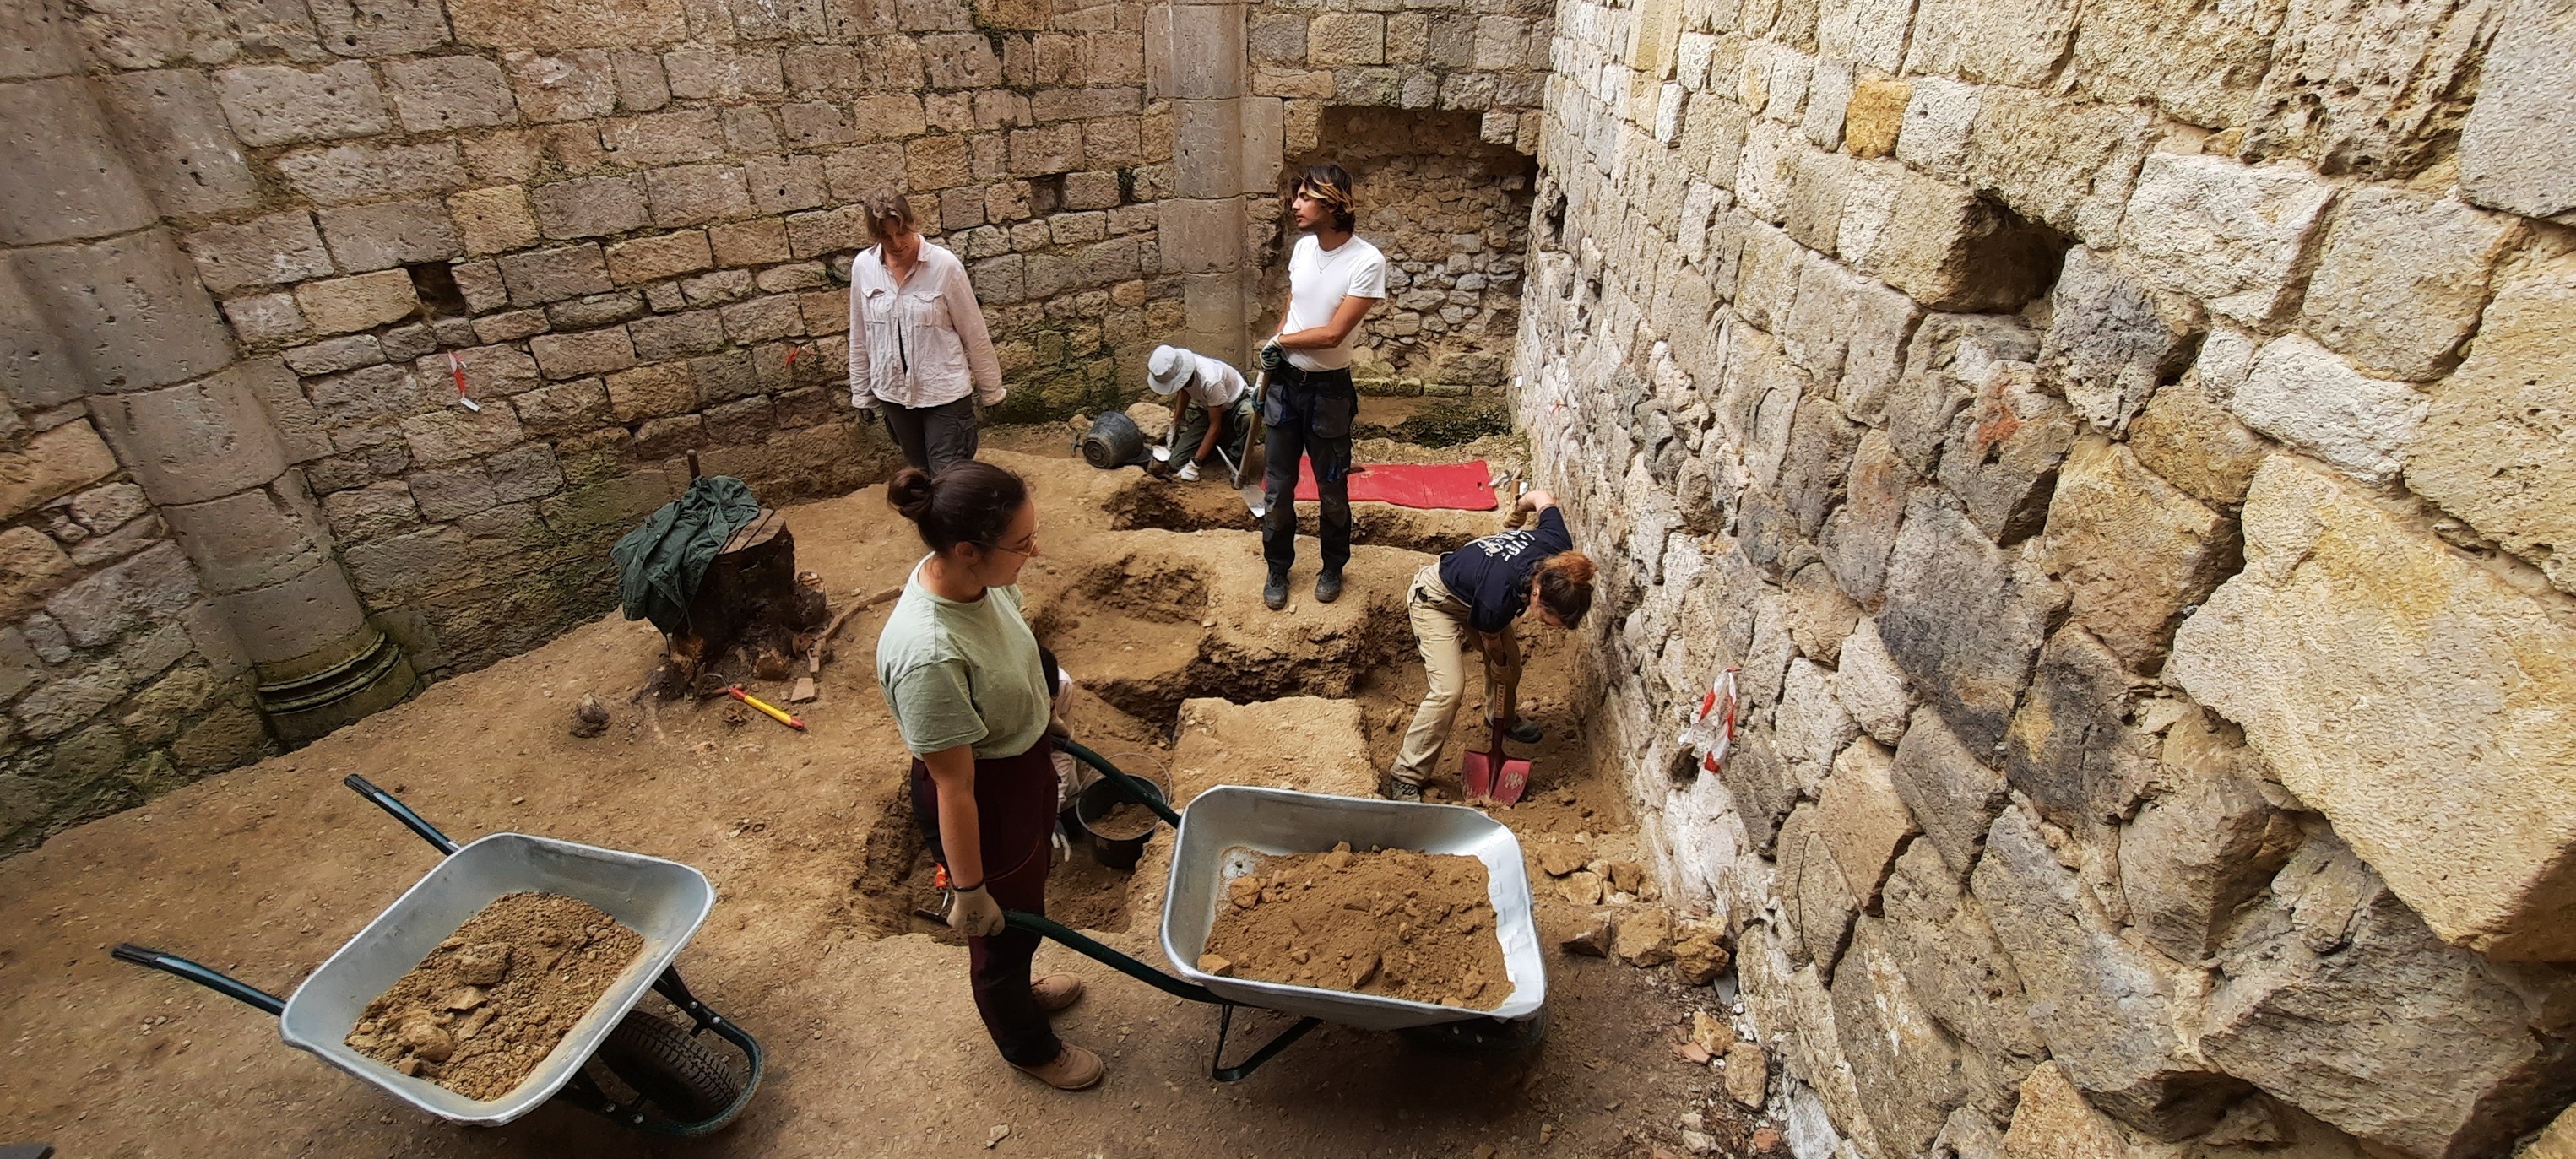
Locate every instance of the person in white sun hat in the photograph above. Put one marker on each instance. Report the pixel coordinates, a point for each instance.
(1211, 404)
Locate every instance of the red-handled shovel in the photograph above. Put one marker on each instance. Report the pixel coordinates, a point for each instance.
(1492, 774)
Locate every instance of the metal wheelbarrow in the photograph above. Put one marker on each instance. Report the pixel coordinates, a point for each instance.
(1223, 834)
(688, 1087)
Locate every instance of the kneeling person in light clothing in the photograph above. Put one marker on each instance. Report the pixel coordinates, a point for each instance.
(1211, 404)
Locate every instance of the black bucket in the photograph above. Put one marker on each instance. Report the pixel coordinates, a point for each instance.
(1113, 441)
(1120, 850)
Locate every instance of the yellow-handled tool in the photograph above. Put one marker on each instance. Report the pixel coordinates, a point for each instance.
(767, 707)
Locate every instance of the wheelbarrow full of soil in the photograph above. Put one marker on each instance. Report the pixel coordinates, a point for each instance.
(682, 1086)
(1227, 831)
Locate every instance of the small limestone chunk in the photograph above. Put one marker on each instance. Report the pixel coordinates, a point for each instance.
(1645, 938)
(1583, 887)
(1367, 969)
(426, 1040)
(1559, 858)
(463, 998)
(1245, 890)
(483, 964)
(1710, 1035)
(1340, 857)
(474, 1024)
(1593, 942)
(1216, 966)
(1748, 1074)
(1700, 954)
(1474, 985)
(1627, 876)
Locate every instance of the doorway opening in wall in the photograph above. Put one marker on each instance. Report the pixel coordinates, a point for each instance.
(1451, 210)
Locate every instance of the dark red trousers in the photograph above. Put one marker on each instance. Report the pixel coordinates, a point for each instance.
(1015, 802)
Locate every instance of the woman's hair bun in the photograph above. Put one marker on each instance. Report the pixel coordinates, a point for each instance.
(910, 493)
(968, 501)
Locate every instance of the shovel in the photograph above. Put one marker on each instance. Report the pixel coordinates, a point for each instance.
(1493, 775)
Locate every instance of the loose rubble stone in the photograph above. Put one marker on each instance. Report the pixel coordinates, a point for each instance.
(1645, 936)
(2350, 624)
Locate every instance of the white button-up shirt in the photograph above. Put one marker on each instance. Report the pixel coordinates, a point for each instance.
(923, 343)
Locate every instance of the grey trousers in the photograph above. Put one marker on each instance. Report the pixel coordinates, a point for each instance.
(933, 436)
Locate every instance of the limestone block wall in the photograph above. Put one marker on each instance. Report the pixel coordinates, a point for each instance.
(623, 231)
(2121, 452)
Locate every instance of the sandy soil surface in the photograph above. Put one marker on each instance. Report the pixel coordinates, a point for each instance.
(874, 1046)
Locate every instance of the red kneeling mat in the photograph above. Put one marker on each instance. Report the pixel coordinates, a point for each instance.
(1455, 486)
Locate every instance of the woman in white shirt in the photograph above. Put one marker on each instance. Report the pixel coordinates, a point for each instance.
(919, 353)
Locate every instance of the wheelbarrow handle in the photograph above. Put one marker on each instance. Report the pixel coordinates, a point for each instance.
(1134, 789)
(208, 977)
(1048, 928)
(402, 812)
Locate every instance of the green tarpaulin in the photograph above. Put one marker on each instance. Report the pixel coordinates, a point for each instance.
(659, 564)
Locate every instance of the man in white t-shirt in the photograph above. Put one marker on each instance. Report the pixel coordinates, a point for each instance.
(1333, 280)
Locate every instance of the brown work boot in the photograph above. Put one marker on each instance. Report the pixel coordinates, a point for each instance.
(1072, 1069)
(1056, 991)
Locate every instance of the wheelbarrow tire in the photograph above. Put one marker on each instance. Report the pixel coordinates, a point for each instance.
(670, 1067)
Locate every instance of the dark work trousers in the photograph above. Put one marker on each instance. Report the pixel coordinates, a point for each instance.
(932, 436)
(1015, 802)
(1308, 413)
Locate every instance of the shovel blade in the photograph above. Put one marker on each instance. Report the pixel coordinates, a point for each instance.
(1478, 774)
(1511, 781)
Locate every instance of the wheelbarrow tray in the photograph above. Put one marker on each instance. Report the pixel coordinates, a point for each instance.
(663, 900)
(1226, 829)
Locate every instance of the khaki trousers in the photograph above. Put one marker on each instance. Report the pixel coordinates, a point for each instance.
(1440, 627)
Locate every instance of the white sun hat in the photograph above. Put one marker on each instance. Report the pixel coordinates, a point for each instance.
(1170, 369)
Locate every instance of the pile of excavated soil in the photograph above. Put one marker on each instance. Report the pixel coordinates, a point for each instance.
(485, 1007)
(1399, 923)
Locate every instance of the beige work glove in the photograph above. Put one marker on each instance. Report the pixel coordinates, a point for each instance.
(974, 913)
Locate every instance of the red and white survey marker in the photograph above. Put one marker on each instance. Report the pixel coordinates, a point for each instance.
(456, 366)
(1712, 729)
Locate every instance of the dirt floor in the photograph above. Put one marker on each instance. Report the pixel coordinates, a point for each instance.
(1150, 592)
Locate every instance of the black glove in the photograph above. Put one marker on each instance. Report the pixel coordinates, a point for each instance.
(1274, 358)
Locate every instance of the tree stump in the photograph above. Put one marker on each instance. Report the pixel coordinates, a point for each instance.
(749, 603)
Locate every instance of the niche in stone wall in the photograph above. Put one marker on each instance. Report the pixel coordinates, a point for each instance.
(1451, 210)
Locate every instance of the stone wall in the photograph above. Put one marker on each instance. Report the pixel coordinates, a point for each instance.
(2121, 451)
(1451, 212)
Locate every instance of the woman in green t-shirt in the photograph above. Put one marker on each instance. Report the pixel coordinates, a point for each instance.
(959, 667)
